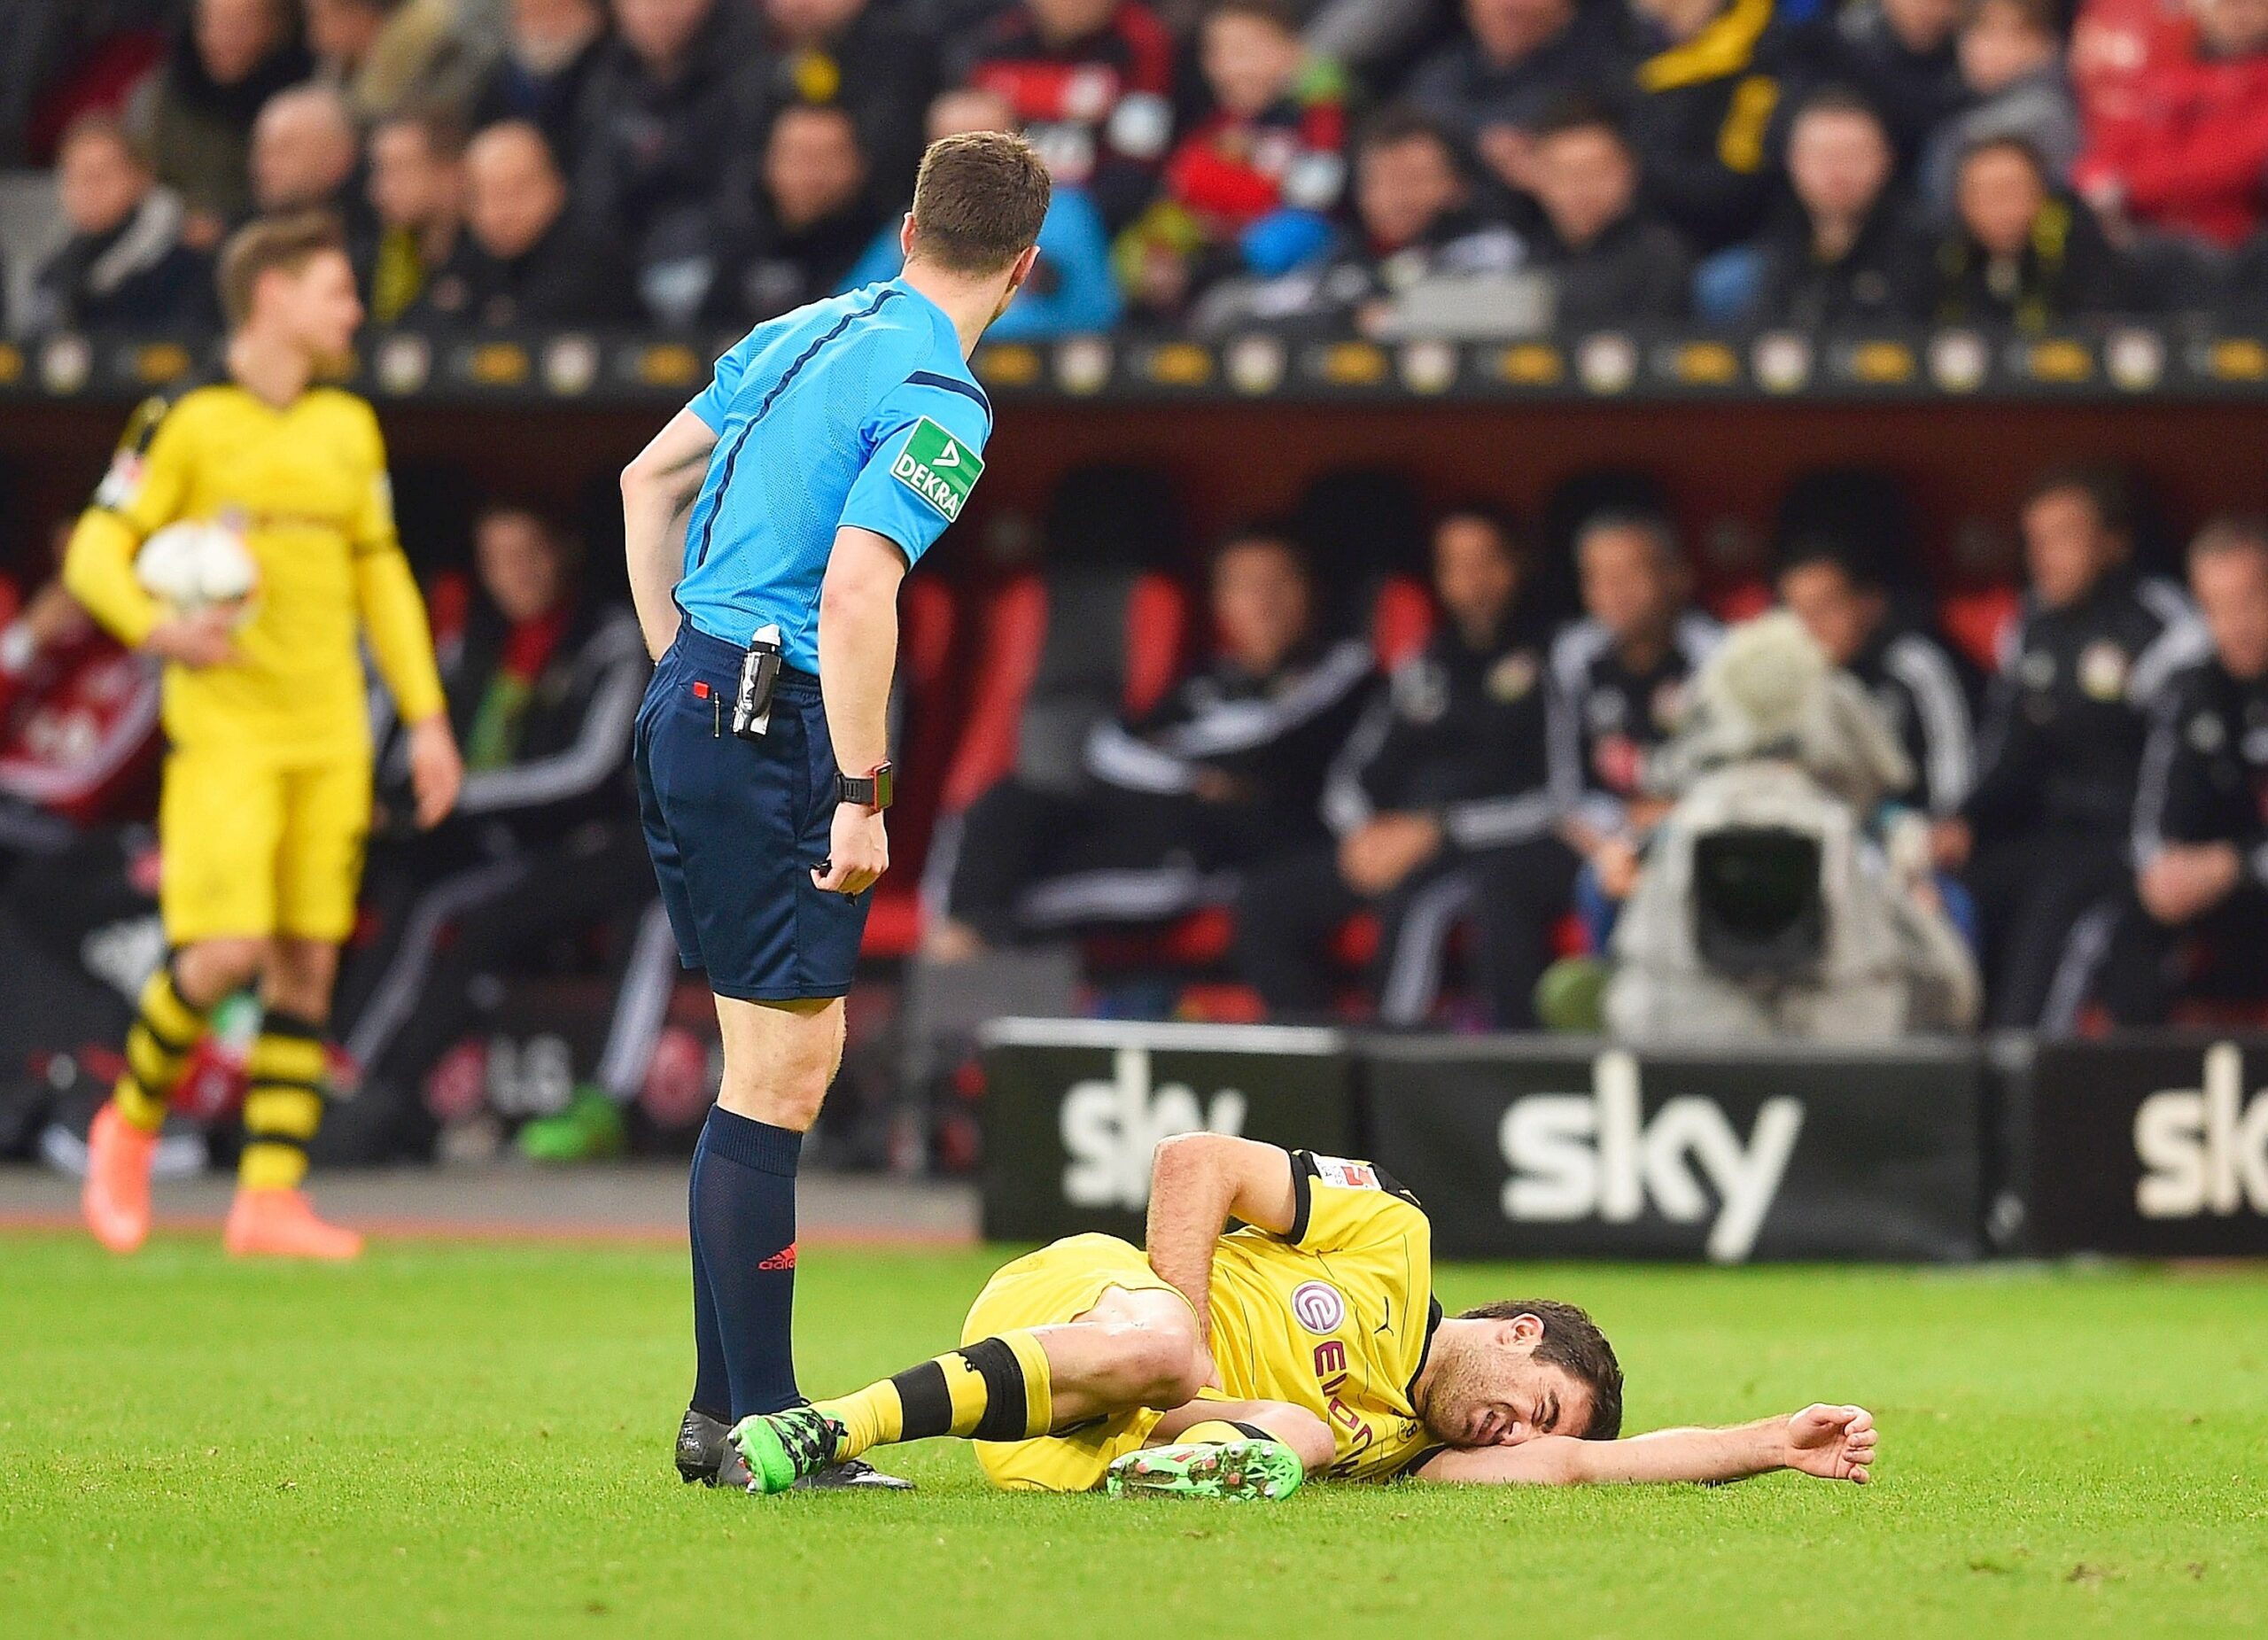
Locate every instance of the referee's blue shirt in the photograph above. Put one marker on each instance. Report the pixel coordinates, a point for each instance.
(855, 410)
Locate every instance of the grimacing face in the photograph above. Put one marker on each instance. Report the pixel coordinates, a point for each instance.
(1486, 1388)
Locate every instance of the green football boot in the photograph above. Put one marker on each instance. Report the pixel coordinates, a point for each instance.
(783, 1448)
(1243, 1470)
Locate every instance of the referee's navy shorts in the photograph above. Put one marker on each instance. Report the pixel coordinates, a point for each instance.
(735, 827)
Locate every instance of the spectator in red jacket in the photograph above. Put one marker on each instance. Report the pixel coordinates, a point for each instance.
(2190, 154)
(1092, 85)
(1248, 187)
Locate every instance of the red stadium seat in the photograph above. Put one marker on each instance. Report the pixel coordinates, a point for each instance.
(1402, 621)
(1739, 601)
(1978, 620)
(977, 744)
(928, 625)
(1014, 630)
(448, 602)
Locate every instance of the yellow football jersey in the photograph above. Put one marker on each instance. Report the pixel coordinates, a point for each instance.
(308, 486)
(1336, 1316)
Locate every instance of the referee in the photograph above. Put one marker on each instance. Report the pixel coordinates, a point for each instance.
(768, 527)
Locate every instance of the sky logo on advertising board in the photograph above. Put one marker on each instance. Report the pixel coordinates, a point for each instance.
(1576, 1155)
(1111, 1126)
(2203, 1149)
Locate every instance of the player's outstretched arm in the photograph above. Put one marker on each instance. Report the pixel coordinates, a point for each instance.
(1833, 1442)
(1198, 1183)
(658, 489)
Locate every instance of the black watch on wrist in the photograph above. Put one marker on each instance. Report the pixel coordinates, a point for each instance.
(873, 792)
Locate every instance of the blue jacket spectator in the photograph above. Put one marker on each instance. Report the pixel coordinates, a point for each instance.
(1071, 290)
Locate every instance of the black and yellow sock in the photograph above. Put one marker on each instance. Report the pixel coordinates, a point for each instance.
(995, 1389)
(158, 1043)
(284, 1102)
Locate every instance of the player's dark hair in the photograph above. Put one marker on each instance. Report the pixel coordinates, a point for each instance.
(978, 201)
(2108, 490)
(258, 248)
(1571, 1342)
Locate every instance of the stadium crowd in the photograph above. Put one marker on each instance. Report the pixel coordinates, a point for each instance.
(1453, 166)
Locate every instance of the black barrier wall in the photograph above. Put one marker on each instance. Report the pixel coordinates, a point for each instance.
(1563, 1148)
(2156, 1146)
(1073, 1109)
(1558, 1147)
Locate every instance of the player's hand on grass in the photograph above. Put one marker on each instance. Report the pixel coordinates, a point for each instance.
(436, 770)
(858, 850)
(201, 639)
(1833, 1442)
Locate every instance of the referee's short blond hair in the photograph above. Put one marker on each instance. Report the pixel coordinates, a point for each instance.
(978, 201)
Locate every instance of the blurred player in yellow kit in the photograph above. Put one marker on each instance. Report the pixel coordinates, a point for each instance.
(266, 796)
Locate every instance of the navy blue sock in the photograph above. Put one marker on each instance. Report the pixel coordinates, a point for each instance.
(712, 1384)
(744, 1212)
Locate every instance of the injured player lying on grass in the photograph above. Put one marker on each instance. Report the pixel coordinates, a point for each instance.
(1242, 1363)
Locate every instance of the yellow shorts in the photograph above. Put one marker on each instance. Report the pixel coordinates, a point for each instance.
(251, 847)
(1060, 1283)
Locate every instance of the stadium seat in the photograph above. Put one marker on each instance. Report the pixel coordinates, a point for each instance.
(1401, 620)
(1008, 649)
(1977, 619)
(927, 715)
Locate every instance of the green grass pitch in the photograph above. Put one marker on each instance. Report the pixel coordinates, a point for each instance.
(473, 1439)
